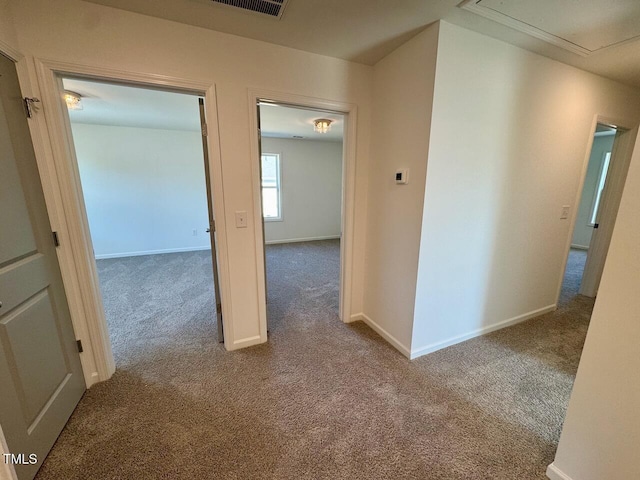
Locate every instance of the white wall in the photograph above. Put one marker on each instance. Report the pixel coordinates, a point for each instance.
(601, 432)
(311, 176)
(582, 231)
(403, 92)
(509, 138)
(144, 189)
(112, 38)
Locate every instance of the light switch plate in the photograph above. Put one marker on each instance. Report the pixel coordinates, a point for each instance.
(565, 212)
(402, 176)
(241, 219)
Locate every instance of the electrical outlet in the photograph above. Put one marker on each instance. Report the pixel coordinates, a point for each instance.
(565, 212)
(195, 232)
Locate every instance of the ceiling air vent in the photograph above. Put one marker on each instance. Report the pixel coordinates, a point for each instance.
(273, 8)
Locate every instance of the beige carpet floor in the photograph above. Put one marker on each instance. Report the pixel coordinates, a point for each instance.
(321, 400)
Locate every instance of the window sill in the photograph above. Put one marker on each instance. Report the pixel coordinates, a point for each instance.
(272, 219)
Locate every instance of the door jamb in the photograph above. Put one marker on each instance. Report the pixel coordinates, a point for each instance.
(621, 123)
(76, 248)
(350, 112)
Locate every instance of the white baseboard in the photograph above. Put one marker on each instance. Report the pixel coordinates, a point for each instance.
(355, 318)
(418, 352)
(384, 334)
(579, 247)
(296, 240)
(151, 252)
(554, 473)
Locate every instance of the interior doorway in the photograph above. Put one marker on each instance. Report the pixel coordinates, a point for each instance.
(596, 211)
(142, 160)
(301, 192)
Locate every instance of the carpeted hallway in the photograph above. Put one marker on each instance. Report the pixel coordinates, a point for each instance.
(322, 399)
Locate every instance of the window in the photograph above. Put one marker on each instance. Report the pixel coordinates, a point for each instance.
(271, 198)
(599, 187)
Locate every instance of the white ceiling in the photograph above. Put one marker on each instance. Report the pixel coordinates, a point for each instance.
(127, 106)
(365, 31)
(289, 122)
(581, 26)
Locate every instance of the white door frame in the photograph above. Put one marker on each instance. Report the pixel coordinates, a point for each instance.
(76, 250)
(350, 112)
(621, 156)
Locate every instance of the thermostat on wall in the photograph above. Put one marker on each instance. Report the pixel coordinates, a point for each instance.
(402, 177)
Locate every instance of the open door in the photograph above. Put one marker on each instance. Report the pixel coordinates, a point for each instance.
(607, 211)
(264, 249)
(212, 222)
(41, 378)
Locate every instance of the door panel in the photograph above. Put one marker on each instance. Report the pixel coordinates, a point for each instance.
(608, 211)
(212, 222)
(40, 369)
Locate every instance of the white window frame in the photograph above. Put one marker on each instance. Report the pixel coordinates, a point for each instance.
(597, 195)
(278, 186)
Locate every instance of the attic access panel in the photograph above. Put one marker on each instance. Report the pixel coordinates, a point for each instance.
(580, 26)
(272, 8)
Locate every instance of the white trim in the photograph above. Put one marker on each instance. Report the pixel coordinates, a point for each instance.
(152, 252)
(554, 473)
(418, 352)
(350, 111)
(298, 240)
(579, 247)
(501, 18)
(476, 7)
(384, 334)
(10, 52)
(76, 251)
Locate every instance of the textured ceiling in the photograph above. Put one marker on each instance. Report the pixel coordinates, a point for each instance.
(365, 31)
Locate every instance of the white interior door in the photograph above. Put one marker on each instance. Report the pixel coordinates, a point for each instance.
(40, 373)
(607, 211)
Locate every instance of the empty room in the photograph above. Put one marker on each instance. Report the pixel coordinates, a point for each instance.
(141, 165)
(284, 239)
(301, 186)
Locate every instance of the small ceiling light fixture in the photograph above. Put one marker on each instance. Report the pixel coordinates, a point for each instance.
(72, 99)
(322, 125)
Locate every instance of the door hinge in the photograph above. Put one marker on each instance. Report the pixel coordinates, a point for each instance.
(219, 308)
(79, 343)
(596, 225)
(28, 105)
(56, 240)
(205, 130)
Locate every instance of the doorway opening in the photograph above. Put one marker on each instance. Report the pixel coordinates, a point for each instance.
(142, 161)
(301, 183)
(596, 212)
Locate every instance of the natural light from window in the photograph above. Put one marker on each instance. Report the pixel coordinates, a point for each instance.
(600, 188)
(271, 208)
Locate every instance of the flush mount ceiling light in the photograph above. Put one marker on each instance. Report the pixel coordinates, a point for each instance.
(72, 99)
(322, 125)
